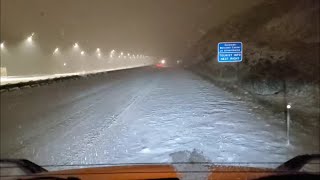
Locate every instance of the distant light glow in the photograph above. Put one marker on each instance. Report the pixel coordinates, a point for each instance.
(121, 53)
(64, 64)
(98, 50)
(99, 55)
(119, 56)
(2, 45)
(112, 53)
(76, 45)
(163, 61)
(288, 106)
(56, 51)
(29, 39)
(82, 53)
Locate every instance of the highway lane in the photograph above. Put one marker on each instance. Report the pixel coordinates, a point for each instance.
(142, 115)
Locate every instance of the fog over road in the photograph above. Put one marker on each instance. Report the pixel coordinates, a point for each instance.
(142, 115)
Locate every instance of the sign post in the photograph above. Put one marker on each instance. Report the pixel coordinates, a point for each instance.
(230, 52)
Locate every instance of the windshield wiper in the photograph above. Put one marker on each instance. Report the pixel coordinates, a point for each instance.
(296, 163)
(26, 165)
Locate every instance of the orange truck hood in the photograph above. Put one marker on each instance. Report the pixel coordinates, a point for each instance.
(135, 172)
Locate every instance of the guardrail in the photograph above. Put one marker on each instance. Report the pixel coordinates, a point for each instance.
(15, 83)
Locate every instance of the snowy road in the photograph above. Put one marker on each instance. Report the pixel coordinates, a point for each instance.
(142, 116)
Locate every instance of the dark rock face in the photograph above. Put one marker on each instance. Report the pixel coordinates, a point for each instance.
(281, 40)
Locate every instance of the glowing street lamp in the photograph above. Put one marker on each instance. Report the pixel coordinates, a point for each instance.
(29, 39)
(64, 64)
(82, 53)
(2, 45)
(76, 45)
(121, 53)
(112, 53)
(163, 61)
(56, 51)
(98, 50)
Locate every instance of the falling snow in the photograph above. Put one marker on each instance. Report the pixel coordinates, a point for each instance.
(143, 116)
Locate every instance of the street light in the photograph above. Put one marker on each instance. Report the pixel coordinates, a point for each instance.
(112, 53)
(82, 53)
(64, 64)
(98, 50)
(76, 45)
(2, 45)
(29, 39)
(56, 51)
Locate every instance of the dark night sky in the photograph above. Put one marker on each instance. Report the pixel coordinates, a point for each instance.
(152, 27)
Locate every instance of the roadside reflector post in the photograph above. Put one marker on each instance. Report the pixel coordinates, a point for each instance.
(288, 123)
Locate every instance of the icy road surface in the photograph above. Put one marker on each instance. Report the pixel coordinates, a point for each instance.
(143, 116)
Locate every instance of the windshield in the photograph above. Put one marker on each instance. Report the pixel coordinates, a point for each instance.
(89, 83)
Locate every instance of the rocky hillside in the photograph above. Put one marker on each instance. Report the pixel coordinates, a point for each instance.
(280, 37)
(281, 40)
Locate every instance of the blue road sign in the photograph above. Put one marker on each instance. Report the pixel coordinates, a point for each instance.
(229, 52)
